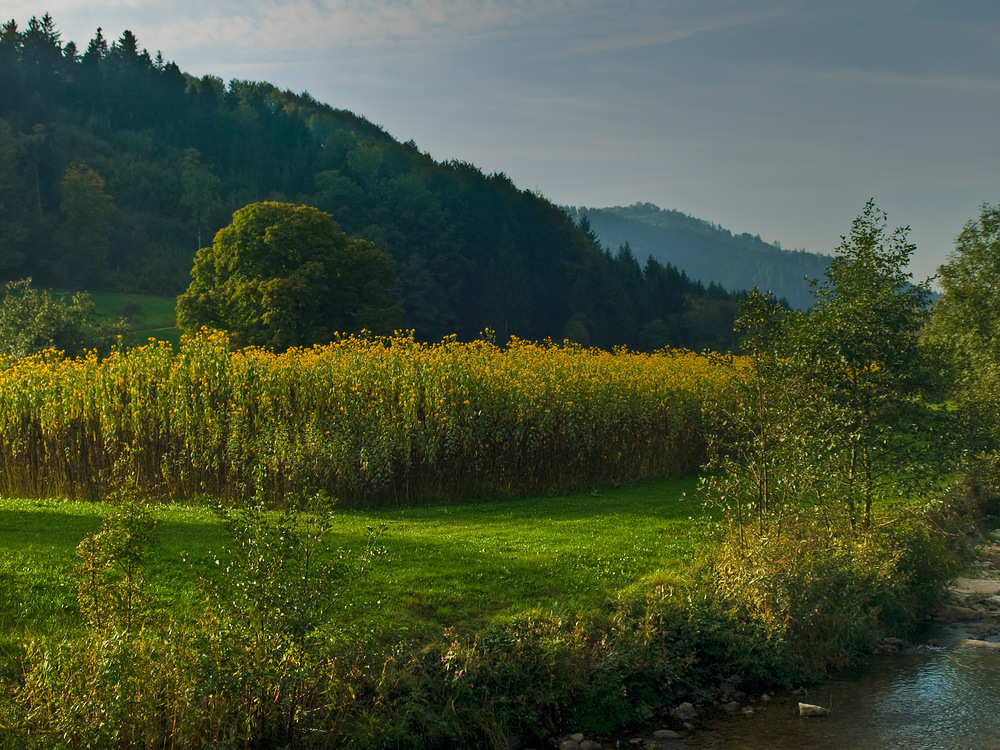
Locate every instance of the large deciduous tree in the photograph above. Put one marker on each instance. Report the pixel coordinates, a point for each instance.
(282, 275)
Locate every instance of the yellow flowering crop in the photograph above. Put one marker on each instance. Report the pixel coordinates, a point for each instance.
(369, 419)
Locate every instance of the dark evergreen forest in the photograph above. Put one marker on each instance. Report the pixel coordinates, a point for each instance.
(707, 251)
(116, 167)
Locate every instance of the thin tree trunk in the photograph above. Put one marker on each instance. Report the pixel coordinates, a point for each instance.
(869, 489)
(851, 511)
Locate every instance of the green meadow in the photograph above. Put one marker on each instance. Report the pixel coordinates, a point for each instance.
(149, 316)
(459, 565)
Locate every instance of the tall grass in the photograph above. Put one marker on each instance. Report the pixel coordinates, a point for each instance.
(367, 419)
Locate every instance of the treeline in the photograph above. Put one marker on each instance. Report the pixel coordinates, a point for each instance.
(116, 167)
(707, 251)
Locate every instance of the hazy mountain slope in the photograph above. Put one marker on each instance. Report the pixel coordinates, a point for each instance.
(705, 251)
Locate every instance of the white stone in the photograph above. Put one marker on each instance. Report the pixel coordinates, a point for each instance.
(974, 643)
(983, 586)
(809, 710)
(685, 711)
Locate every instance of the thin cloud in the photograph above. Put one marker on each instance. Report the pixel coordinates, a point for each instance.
(855, 77)
(630, 41)
(295, 27)
(302, 25)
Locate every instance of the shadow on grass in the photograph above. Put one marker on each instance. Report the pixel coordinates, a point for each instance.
(444, 566)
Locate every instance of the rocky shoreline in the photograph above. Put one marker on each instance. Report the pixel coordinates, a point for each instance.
(969, 618)
(974, 606)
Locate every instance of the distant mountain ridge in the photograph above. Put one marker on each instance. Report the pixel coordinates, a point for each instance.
(705, 251)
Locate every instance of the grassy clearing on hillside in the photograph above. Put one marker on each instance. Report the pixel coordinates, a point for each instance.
(150, 316)
(147, 309)
(444, 566)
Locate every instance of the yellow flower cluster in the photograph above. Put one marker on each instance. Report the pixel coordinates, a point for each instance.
(365, 418)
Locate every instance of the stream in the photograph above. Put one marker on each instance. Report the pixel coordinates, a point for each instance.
(926, 698)
(940, 692)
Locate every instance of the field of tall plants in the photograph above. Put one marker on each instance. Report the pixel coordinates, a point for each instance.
(366, 419)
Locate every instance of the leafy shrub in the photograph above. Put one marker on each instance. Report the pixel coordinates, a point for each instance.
(269, 634)
(109, 689)
(124, 679)
(259, 668)
(110, 580)
(791, 607)
(32, 320)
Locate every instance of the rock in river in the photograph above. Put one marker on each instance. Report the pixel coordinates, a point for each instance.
(809, 710)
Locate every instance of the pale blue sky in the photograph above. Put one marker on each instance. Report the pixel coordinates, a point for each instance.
(774, 117)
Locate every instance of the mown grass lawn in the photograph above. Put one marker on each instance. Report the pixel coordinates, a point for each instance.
(460, 566)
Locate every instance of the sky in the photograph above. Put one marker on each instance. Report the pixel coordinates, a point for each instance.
(774, 117)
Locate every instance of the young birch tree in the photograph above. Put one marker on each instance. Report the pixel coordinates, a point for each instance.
(858, 347)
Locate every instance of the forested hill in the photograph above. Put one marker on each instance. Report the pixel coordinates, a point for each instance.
(706, 251)
(116, 167)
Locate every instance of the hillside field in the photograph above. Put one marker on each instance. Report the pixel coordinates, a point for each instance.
(149, 315)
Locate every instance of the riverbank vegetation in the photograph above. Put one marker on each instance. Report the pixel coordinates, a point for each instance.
(432, 626)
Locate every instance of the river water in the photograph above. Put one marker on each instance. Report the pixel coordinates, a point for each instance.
(929, 698)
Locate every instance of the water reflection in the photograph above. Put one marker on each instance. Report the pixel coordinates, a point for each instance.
(937, 699)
